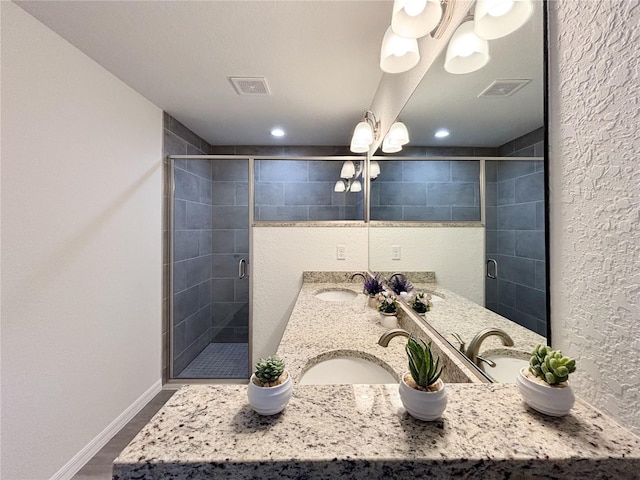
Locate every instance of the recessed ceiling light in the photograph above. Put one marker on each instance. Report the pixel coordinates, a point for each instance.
(442, 133)
(277, 132)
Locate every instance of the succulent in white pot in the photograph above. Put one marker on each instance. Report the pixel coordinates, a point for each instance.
(543, 385)
(421, 389)
(270, 387)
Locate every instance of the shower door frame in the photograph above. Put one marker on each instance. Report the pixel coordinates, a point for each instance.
(169, 347)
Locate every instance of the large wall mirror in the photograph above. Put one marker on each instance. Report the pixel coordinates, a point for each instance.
(464, 204)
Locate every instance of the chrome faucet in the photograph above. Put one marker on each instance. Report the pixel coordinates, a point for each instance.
(460, 341)
(395, 275)
(389, 334)
(474, 346)
(354, 275)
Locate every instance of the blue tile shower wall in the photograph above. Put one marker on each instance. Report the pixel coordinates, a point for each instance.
(192, 329)
(515, 233)
(229, 244)
(426, 190)
(211, 234)
(303, 190)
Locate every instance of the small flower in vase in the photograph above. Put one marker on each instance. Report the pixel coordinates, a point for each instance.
(400, 284)
(387, 303)
(421, 303)
(373, 286)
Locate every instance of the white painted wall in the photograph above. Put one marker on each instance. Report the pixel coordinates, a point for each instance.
(595, 199)
(280, 255)
(81, 249)
(456, 254)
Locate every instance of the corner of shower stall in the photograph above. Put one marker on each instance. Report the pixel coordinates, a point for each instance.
(210, 311)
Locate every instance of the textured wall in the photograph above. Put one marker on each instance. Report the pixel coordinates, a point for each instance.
(595, 199)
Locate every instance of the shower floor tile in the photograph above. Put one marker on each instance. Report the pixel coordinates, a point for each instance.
(219, 360)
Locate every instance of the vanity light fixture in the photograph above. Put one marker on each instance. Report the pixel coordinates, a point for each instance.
(390, 147)
(441, 133)
(348, 169)
(396, 137)
(374, 169)
(398, 54)
(365, 133)
(498, 18)
(398, 134)
(346, 185)
(277, 132)
(341, 186)
(415, 18)
(466, 52)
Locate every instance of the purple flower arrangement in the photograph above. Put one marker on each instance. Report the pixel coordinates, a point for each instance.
(373, 285)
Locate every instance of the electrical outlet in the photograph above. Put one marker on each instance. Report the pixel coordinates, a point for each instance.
(395, 252)
(341, 252)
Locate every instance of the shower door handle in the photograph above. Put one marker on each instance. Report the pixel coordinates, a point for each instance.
(493, 275)
(242, 268)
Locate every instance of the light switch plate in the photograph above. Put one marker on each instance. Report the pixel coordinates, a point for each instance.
(395, 252)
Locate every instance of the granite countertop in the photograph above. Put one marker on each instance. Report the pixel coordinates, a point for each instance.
(456, 314)
(319, 329)
(362, 432)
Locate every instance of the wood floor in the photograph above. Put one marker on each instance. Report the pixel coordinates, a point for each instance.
(99, 467)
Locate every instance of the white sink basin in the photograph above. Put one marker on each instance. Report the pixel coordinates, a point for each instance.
(506, 369)
(346, 370)
(336, 295)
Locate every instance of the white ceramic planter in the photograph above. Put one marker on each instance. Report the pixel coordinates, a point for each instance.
(269, 400)
(551, 400)
(423, 405)
(372, 302)
(388, 320)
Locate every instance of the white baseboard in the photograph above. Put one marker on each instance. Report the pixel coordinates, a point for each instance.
(87, 453)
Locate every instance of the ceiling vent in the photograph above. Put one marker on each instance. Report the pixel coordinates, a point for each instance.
(250, 85)
(503, 88)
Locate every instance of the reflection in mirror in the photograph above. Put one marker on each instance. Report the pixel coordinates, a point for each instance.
(495, 117)
(308, 190)
(427, 190)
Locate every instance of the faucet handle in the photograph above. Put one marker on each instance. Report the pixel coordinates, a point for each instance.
(460, 341)
(491, 363)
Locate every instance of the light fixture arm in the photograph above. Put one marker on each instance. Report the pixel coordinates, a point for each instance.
(369, 117)
(447, 15)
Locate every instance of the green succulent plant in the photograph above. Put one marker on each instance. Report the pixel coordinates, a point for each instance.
(269, 369)
(422, 364)
(550, 365)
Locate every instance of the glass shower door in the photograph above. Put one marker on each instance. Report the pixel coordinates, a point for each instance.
(210, 266)
(515, 242)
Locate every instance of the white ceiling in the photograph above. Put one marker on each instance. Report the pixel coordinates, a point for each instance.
(320, 59)
(443, 100)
